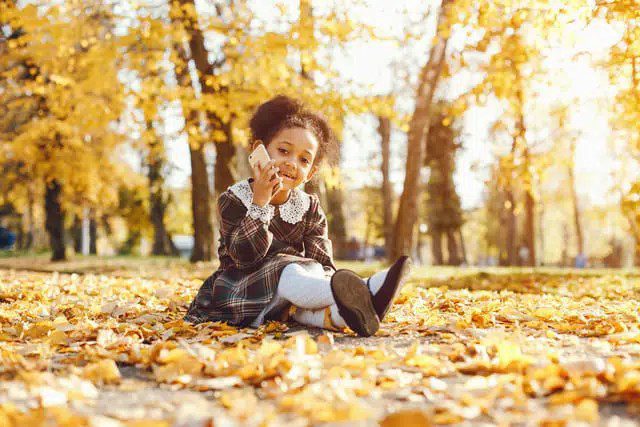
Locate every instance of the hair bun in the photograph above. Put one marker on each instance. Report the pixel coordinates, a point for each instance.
(276, 110)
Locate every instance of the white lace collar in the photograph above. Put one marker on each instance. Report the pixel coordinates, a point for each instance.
(291, 211)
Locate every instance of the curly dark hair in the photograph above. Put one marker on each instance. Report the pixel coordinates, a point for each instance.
(283, 112)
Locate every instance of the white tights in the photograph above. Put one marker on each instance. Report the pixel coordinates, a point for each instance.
(309, 289)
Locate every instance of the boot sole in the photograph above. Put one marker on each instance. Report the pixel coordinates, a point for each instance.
(354, 303)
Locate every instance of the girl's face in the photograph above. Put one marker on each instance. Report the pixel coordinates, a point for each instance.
(294, 151)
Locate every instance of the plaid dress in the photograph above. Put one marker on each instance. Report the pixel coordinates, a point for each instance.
(253, 254)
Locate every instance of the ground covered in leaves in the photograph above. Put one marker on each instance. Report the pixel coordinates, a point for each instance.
(107, 347)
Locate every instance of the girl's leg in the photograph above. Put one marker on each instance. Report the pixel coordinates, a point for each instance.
(304, 288)
(375, 282)
(385, 285)
(326, 318)
(310, 291)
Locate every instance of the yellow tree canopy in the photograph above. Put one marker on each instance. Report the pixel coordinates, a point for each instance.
(61, 97)
(624, 68)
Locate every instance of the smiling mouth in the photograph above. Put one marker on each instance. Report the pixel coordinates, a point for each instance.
(288, 177)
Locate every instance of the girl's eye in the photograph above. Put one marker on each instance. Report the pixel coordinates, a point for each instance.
(282, 150)
(305, 161)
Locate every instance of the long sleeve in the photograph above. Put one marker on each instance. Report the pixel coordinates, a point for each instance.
(246, 237)
(316, 237)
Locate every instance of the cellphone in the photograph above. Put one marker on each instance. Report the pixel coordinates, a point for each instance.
(259, 156)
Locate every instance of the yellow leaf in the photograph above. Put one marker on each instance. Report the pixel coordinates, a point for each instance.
(406, 418)
(104, 371)
(587, 410)
(57, 338)
(147, 423)
(544, 313)
(39, 330)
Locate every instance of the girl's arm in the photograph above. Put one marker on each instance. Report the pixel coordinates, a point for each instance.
(316, 238)
(246, 237)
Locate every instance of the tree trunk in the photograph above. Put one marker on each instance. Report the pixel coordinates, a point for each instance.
(574, 199)
(203, 232)
(54, 222)
(76, 233)
(510, 204)
(530, 230)
(540, 229)
(529, 207)
(225, 151)
(333, 199)
(336, 220)
(436, 247)
(512, 232)
(157, 200)
(452, 248)
(463, 249)
(28, 244)
(224, 172)
(384, 130)
(160, 238)
(200, 193)
(21, 234)
(565, 246)
(306, 23)
(527, 178)
(93, 234)
(418, 129)
(367, 232)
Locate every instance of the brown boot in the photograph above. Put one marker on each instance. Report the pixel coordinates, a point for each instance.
(354, 302)
(395, 278)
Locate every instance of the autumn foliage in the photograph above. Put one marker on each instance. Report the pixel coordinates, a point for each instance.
(506, 347)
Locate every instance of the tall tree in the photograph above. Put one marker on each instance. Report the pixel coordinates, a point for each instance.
(443, 210)
(55, 220)
(219, 126)
(569, 138)
(200, 192)
(496, 239)
(145, 57)
(330, 192)
(623, 65)
(183, 14)
(508, 72)
(158, 199)
(59, 107)
(418, 128)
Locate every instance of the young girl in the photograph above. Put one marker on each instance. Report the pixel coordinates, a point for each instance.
(275, 257)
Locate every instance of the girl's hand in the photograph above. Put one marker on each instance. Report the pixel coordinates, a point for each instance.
(266, 183)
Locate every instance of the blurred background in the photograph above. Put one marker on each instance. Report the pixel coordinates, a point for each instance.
(486, 132)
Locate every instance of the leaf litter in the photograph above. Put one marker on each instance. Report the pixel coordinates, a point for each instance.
(104, 350)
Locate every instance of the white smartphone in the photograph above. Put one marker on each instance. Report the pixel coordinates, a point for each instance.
(259, 156)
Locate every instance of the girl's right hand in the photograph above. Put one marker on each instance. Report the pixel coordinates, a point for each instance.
(266, 183)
